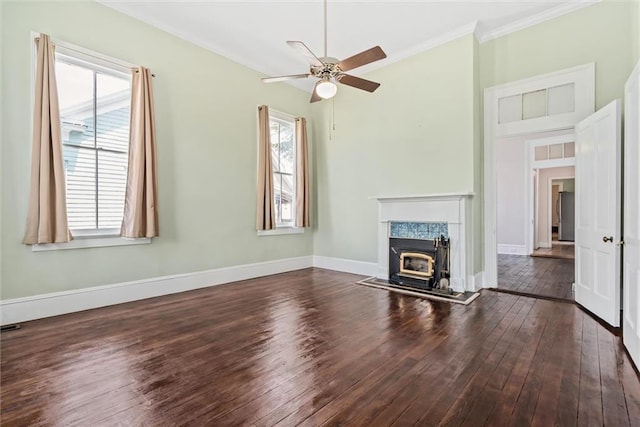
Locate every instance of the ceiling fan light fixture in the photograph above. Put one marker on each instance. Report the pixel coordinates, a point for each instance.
(329, 70)
(326, 89)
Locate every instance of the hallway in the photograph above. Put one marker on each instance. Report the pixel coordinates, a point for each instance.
(548, 277)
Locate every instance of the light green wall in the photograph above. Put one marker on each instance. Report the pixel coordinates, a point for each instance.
(602, 33)
(414, 135)
(206, 126)
(1, 156)
(634, 17)
(428, 111)
(420, 133)
(477, 202)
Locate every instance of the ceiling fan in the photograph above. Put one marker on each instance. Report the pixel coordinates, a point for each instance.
(329, 70)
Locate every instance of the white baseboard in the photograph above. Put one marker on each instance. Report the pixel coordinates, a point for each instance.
(346, 265)
(512, 249)
(53, 304)
(477, 281)
(544, 245)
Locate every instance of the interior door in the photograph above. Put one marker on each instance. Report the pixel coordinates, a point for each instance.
(534, 214)
(598, 210)
(631, 215)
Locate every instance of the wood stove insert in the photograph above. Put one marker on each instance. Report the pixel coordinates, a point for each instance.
(419, 264)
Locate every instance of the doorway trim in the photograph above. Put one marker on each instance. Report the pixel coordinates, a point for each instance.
(550, 204)
(583, 78)
(531, 170)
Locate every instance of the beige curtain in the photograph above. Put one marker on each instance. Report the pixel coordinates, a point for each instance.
(266, 217)
(302, 174)
(47, 215)
(141, 198)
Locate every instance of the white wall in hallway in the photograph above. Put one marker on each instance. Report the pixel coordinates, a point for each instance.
(510, 164)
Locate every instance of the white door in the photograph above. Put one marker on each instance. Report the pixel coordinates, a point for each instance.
(536, 202)
(598, 209)
(631, 215)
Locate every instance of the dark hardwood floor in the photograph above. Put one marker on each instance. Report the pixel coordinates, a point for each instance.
(557, 250)
(550, 277)
(313, 348)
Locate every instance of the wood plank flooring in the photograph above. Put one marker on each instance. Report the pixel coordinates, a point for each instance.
(557, 250)
(313, 348)
(550, 277)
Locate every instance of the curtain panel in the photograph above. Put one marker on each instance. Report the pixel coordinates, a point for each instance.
(302, 174)
(141, 196)
(47, 212)
(265, 215)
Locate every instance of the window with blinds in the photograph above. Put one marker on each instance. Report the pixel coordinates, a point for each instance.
(94, 112)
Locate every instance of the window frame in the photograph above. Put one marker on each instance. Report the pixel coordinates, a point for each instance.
(288, 227)
(97, 62)
(83, 61)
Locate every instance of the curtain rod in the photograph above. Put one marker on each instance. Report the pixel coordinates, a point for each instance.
(278, 112)
(152, 75)
(86, 52)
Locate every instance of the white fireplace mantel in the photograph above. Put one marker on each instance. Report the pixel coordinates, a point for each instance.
(452, 208)
(414, 197)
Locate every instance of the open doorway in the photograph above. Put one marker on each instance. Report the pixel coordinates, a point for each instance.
(561, 99)
(556, 218)
(535, 227)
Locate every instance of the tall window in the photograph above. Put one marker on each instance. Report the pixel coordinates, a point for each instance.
(94, 98)
(283, 160)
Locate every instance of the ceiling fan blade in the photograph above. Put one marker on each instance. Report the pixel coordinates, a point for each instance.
(357, 82)
(314, 95)
(306, 52)
(283, 78)
(363, 58)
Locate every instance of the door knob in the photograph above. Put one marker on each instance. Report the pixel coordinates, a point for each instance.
(607, 239)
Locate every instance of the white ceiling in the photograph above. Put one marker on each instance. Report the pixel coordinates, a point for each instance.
(254, 32)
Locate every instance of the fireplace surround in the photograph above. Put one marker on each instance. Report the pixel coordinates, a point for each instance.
(453, 210)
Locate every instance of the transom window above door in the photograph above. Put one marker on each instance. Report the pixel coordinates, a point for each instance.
(555, 151)
(537, 103)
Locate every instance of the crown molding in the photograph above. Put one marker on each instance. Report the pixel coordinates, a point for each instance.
(482, 36)
(191, 38)
(475, 28)
(560, 10)
(432, 43)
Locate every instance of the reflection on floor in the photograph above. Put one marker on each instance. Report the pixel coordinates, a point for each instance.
(550, 277)
(311, 347)
(557, 250)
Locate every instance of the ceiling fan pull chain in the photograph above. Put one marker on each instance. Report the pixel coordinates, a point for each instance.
(333, 113)
(332, 128)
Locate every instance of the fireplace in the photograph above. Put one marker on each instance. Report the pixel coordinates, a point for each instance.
(419, 263)
(445, 214)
